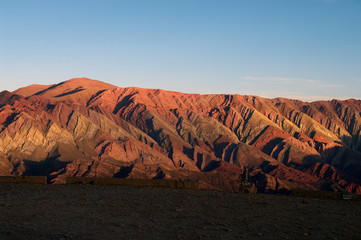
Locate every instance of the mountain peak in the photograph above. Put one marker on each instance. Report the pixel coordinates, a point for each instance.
(84, 80)
(75, 89)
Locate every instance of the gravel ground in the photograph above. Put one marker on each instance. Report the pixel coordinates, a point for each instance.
(119, 212)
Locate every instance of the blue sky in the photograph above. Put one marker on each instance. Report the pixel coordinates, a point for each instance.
(304, 49)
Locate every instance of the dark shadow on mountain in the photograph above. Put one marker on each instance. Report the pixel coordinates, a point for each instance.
(70, 92)
(104, 147)
(199, 160)
(260, 134)
(126, 101)
(355, 143)
(124, 172)
(43, 168)
(158, 136)
(94, 96)
(337, 165)
(267, 149)
(10, 119)
(345, 158)
(49, 88)
(211, 166)
(219, 148)
(189, 152)
(266, 167)
(228, 153)
(309, 160)
(260, 180)
(50, 107)
(338, 169)
(159, 174)
(170, 151)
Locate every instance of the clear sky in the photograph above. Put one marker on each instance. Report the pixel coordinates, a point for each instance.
(305, 49)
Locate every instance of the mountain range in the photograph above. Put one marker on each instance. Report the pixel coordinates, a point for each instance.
(87, 128)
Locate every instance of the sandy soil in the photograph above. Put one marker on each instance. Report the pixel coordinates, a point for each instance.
(119, 212)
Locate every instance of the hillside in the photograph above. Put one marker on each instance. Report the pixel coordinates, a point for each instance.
(83, 127)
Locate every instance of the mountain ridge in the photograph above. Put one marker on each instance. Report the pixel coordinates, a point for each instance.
(83, 127)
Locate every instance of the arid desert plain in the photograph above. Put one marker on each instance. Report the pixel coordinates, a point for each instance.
(78, 211)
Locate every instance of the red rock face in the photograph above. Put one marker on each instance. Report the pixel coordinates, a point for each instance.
(84, 127)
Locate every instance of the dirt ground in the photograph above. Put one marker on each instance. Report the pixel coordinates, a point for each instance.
(35, 211)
